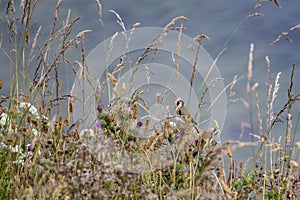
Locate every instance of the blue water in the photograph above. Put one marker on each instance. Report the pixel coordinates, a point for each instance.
(220, 20)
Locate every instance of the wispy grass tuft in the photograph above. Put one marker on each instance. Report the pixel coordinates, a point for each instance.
(45, 155)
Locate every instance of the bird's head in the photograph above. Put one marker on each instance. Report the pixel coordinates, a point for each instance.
(179, 103)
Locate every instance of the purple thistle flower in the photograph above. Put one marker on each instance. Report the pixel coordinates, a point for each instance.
(97, 124)
(99, 108)
(29, 147)
(177, 136)
(139, 124)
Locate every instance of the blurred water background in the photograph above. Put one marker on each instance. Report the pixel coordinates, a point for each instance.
(217, 19)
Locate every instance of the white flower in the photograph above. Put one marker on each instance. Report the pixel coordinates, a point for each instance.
(172, 124)
(24, 104)
(15, 149)
(86, 133)
(33, 110)
(35, 132)
(3, 145)
(3, 119)
(45, 118)
(21, 160)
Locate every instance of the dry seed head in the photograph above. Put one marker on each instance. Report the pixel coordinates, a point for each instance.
(135, 110)
(33, 121)
(200, 138)
(70, 106)
(112, 78)
(150, 144)
(28, 118)
(147, 125)
(295, 27)
(254, 15)
(241, 170)
(173, 175)
(166, 129)
(190, 154)
(66, 122)
(282, 35)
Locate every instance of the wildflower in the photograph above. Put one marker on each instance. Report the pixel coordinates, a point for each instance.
(177, 136)
(139, 124)
(3, 119)
(3, 145)
(15, 149)
(21, 159)
(86, 133)
(35, 132)
(98, 125)
(172, 124)
(29, 147)
(99, 108)
(33, 110)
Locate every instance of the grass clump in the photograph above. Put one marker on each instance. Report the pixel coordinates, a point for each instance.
(45, 155)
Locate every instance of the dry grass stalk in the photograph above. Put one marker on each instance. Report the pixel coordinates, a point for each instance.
(35, 40)
(119, 21)
(259, 120)
(274, 94)
(289, 130)
(209, 86)
(172, 22)
(234, 81)
(249, 74)
(295, 27)
(178, 50)
(56, 16)
(100, 13)
(282, 35)
(199, 38)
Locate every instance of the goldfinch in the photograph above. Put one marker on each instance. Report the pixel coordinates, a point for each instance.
(181, 110)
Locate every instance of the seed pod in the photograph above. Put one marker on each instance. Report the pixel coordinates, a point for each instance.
(190, 154)
(147, 125)
(166, 130)
(173, 175)
(135, 110)
(70, 106)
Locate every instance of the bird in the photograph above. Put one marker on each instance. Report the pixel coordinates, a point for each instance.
(181, 110)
